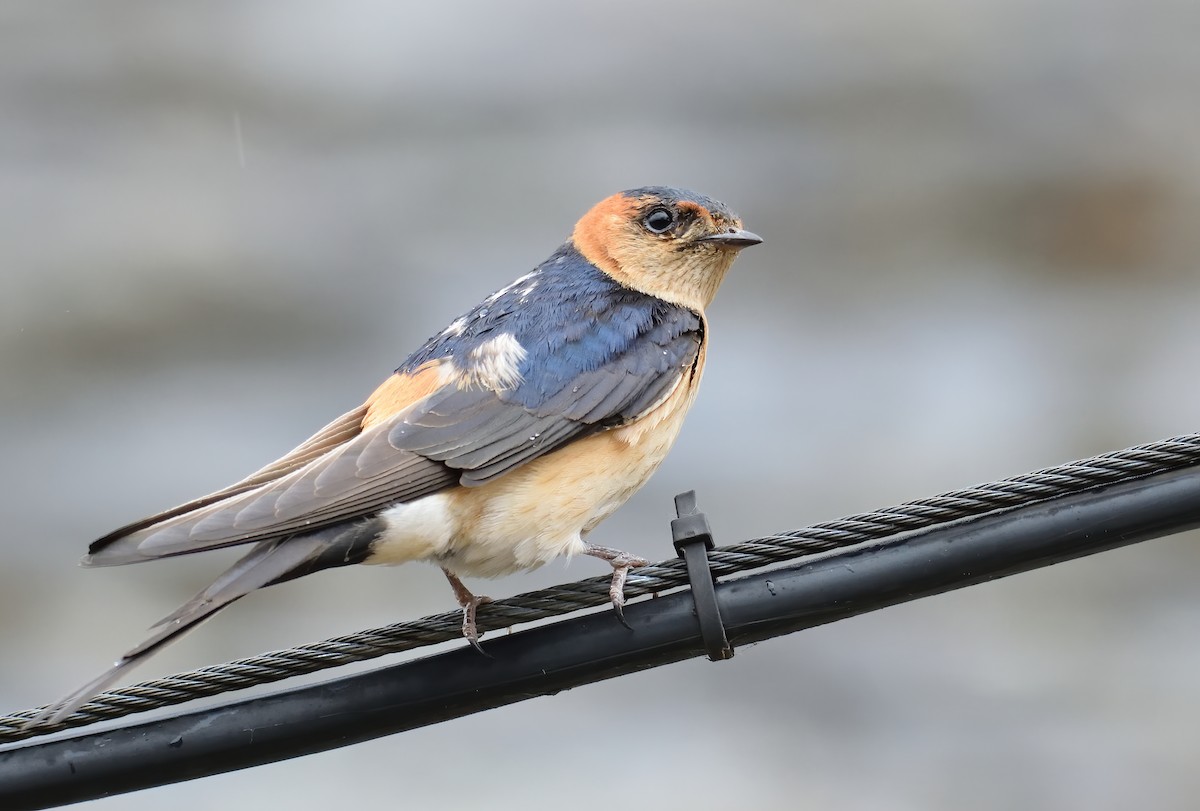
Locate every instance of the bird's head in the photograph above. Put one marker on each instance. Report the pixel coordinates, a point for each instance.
(670, 243)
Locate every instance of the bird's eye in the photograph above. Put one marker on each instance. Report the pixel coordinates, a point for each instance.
(659, 220)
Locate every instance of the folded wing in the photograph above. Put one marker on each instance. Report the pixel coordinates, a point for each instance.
(454, 429)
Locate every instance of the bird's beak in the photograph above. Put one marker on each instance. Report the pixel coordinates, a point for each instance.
(733, 239)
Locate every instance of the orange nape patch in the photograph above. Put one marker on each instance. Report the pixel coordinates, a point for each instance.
(600, 229)
(399, 391)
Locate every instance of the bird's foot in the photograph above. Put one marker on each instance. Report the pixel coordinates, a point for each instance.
(621, 562)
(470, 604)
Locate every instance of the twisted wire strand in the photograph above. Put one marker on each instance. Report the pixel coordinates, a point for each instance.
(1109, 468)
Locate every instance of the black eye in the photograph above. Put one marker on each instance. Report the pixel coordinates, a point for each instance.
(659, 220)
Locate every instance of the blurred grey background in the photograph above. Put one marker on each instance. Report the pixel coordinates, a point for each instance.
(221, 224)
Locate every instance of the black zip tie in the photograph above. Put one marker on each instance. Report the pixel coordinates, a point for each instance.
(693, 540)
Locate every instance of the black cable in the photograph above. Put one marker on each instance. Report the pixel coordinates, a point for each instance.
(568, 653)
(1073, 477)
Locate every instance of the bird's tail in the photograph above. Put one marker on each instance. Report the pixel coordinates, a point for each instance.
(266, 564)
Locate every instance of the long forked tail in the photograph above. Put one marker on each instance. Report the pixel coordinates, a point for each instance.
(266, 564)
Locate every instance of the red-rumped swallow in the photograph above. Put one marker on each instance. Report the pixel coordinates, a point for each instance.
(499, 444)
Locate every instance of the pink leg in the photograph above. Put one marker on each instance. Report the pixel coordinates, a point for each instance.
(470, 603)
(621, 562)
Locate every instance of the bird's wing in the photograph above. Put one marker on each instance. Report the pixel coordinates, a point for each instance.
(427, 429)
(485, 434)
(336, 433)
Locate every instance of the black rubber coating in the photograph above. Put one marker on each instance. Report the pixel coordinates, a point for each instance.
(568, 653)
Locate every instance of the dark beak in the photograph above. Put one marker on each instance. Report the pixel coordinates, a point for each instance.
(733, 239)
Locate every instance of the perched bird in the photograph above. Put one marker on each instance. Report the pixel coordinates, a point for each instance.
(498, 445)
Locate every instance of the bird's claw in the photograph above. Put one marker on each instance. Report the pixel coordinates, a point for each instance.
(621, 562)
(469, 628)
(470, 605)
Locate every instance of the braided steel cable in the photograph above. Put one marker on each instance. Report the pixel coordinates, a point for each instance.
(1007, 494)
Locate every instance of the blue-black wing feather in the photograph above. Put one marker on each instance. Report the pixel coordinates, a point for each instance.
(598, 355)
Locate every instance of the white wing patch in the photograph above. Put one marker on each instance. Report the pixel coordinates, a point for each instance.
(495, 364)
